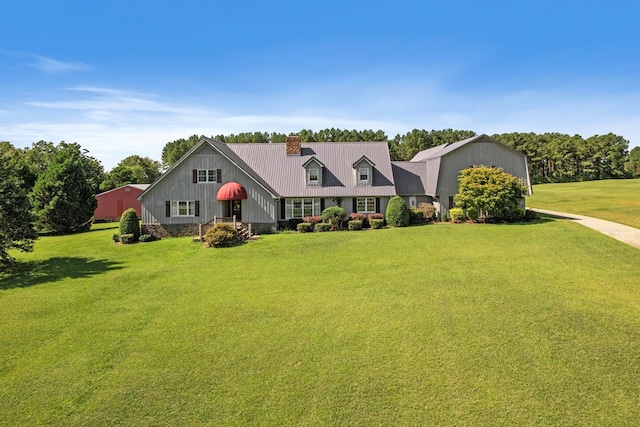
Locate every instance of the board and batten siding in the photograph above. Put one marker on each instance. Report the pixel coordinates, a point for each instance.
(259, 207)
(477, 154)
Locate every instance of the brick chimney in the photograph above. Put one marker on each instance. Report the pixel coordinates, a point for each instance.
(293, 145)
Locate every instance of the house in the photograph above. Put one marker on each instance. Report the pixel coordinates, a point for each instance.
(112, 203)
(270, 185)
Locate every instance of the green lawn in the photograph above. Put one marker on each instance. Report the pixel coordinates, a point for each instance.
(533, 324)
(614, 200)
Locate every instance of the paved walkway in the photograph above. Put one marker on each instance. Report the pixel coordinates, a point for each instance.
(624, 233)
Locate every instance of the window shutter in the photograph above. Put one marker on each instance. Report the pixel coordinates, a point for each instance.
(197, 207)
(195, 176)
(218, 175)
(321, 205)
(167, 207)
(282, 208)
(377, 204)
(355, 205)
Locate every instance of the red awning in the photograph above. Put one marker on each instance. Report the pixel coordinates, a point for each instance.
(232, 191)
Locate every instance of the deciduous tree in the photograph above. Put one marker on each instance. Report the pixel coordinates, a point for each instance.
(16, 220)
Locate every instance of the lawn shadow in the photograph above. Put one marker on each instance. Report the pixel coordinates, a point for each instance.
(55, 269)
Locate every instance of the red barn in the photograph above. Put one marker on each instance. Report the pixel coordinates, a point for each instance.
(112, 203)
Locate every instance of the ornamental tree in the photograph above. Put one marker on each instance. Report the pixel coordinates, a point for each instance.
(489, 192)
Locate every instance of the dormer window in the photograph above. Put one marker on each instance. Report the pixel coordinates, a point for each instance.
(313, 172)
(363, 176)
(313, 176)
(363, 171)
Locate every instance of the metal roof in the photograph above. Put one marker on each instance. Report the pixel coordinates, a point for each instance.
(410, 178)
(286, 174)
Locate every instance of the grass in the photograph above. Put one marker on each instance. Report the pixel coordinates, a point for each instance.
(535, 324)
(613, 200)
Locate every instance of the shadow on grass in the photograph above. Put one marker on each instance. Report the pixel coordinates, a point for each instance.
(55, 269)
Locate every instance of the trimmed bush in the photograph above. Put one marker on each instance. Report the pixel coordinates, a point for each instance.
(221, 236)
(116, 237)
(357, 216)
(428, 210)
(457, 214)
(376, 223)
(130, 224)
(305, 227)
(397, 212)
(322, 226)
(334, 215)
(416, 216)
(355, 225)
(313, 220)
(146, 238)
(127, 239)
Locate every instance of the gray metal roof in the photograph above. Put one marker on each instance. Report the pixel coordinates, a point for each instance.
(223, 149)
(286, 174)
(410, 178)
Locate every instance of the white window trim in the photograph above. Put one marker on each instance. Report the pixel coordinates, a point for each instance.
(190, 205)
(316, 181)
(369, 204)
(363, 171)
(209, 173)
(312, 204)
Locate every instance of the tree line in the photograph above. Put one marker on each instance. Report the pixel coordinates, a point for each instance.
(553, 157)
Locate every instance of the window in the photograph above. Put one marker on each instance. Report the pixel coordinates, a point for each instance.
(366, 204)
(183, 208)
(300, 208)
(206, 175)
(363, 176)
(313, 176)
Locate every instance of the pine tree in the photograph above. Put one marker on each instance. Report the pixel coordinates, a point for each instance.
(63, 198)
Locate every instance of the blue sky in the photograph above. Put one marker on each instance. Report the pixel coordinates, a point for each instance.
(126, 77)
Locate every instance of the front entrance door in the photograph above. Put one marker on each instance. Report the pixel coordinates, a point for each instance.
(236, 209)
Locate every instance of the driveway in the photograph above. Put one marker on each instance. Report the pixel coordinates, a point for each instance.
(624, 233)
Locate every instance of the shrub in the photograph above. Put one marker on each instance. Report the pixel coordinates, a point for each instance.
(457, 214)
(416, 216)
(305, 227)
(322, 226)
(130, 224)
(116, 237)
(127, 239)
(472, 213)
(313, 220)
(397, 212)
(530, 215)
(221, 236)
(428, 210)
(375, 216)
(357, 216)
(146, 238)
(334, 215)
(355, 225)
(376, 223)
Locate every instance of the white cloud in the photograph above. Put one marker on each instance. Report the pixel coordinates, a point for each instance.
(113, 124)
(53, 66)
